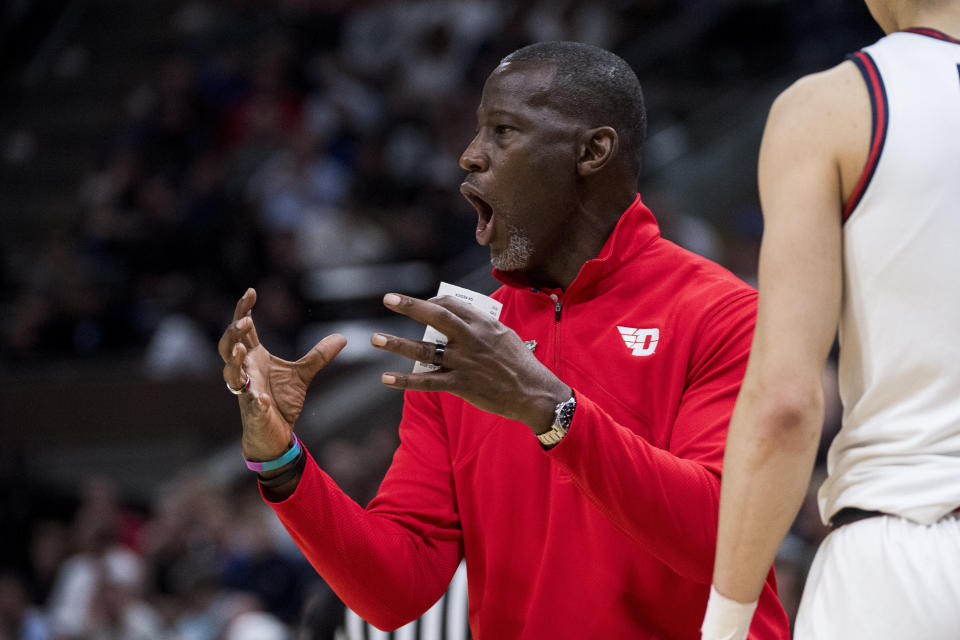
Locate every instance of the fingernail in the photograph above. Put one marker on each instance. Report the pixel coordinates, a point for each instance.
(378, 340)
(391, 299)
(236, 348)
(388, 379)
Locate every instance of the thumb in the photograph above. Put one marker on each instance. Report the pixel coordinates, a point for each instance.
(320, 356)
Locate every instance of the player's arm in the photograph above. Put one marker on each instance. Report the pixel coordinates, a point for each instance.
(776, 425)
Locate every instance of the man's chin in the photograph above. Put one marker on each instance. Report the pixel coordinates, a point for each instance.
(514, 257)
(507, 263)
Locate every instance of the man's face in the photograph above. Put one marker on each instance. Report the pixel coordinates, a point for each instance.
(522, 166)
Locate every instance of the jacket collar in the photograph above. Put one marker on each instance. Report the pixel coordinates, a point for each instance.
(636, 229)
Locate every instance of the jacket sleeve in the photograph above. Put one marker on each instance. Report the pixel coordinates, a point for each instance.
(390, 561)
(667, 499)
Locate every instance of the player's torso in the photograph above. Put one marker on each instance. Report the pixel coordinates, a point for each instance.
(899, 449)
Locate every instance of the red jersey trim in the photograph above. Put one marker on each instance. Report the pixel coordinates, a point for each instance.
(880, 117)
(932, 33)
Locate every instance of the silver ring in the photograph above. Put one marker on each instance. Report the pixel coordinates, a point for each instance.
(438, 350)
(241, 389)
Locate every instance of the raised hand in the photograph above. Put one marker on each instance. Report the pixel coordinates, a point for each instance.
(484, 362)
(272, 401)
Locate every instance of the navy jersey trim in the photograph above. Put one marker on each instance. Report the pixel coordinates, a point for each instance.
(880, 116)
(932, 33)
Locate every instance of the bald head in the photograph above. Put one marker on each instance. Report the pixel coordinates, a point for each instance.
(595, 87)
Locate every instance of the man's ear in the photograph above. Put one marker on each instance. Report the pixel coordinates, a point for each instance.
(598, 147)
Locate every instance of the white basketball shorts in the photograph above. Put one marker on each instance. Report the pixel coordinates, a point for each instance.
(884, 578)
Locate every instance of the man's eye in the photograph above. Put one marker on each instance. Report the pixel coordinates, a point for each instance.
(502, 128)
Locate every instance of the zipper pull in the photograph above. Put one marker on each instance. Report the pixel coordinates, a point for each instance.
(557, 306)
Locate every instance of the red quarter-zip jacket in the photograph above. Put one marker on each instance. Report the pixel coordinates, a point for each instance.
(610, 534)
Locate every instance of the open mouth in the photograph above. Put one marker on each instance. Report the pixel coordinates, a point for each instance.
(484, 232)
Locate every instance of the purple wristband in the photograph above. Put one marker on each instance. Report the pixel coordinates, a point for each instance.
(276, 463)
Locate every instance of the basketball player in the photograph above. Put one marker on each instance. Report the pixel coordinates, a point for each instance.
(859, 178)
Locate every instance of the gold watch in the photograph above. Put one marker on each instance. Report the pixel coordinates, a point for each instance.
(562, 417)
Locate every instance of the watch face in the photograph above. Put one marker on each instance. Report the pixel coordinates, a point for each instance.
(565, 413)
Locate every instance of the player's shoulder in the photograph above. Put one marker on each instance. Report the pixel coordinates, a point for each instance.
(822, 117)
(834, 92)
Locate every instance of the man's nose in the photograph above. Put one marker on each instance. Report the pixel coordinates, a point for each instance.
(473, 158)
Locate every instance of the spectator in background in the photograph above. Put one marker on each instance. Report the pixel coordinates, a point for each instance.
(98, 588)
(18, 619)
(47, 551)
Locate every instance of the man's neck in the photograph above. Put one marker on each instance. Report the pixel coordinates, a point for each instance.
(579, 243)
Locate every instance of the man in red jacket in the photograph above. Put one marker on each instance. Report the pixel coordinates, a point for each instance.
(579, 478)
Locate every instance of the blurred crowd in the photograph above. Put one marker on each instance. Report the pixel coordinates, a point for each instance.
(278, 139)
(202, 562)
(272, 143)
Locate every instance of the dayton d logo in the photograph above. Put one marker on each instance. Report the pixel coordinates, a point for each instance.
(643, 342)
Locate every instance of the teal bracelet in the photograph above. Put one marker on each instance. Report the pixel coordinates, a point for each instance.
(276, 463)
(292, 472)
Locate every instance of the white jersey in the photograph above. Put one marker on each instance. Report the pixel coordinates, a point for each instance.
(899, 448)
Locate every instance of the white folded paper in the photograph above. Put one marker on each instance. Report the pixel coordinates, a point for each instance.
(483, 303)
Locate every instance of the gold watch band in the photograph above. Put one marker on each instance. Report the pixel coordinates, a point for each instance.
(553, 436)
(562, 417)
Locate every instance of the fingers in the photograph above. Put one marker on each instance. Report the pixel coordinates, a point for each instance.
(459, 308)
(233, 371)
(447, 318)
(245, 304)
(320, 356)
(413, 349)
(241, 329)
(237, 332)
(434, 381)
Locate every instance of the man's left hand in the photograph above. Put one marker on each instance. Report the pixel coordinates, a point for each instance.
(484, 362)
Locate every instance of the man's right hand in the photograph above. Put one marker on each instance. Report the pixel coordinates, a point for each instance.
(274, 399)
